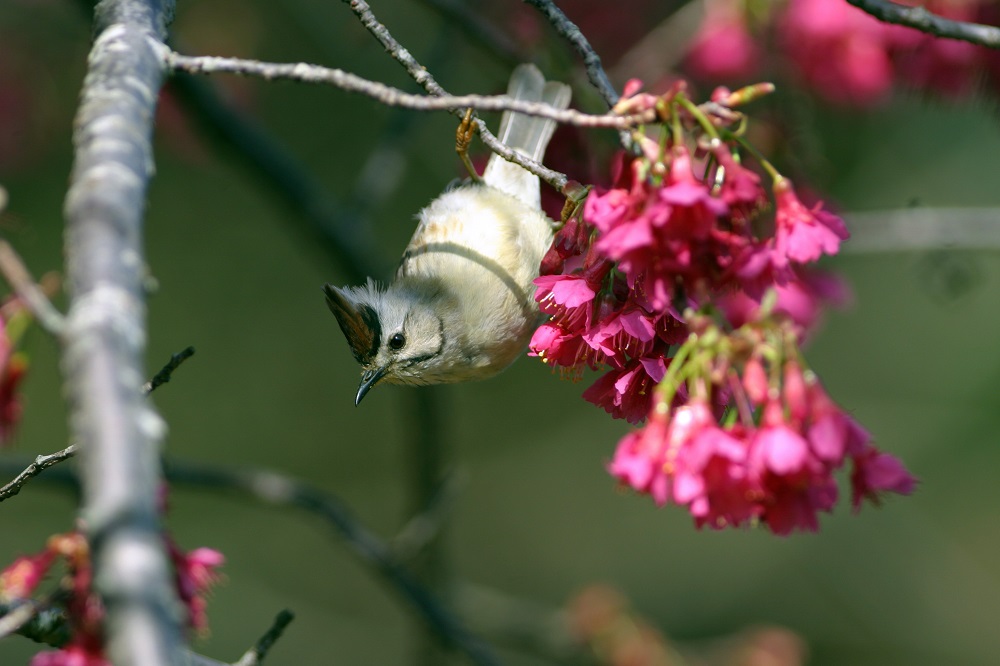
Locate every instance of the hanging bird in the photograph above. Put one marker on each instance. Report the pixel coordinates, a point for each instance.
(461, 305)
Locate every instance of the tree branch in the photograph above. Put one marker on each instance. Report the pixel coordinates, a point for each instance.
(118, 432)
(571, 33)
(923, 20)
(43, 462)
(256, 654)
(164, 374)
(421, 75)
(20, 280)
(591, 61)
(306, 73)
(40, 464)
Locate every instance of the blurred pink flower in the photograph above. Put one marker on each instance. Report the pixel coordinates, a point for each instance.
(723, 48)
(839, 50)
(74, 654)
(196, 573)
(22, 576)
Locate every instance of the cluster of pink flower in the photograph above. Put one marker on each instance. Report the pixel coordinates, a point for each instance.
(771, 459)
(195, 573)
(840, 51)
(635, 285)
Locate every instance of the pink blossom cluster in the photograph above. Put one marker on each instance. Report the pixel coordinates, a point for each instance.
(613, 280)
(195, 573)
(843, 53)
(636, 285)
(776, 469)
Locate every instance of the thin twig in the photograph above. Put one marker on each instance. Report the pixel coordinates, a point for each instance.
(591, 61)
(306, 73)
(29, 292)
(163, 376)
(393, 97)
(919, 18)
(43, 462)
(40, 464)
(256, 654)
(421, 75)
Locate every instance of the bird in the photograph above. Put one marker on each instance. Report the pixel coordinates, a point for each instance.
(461, 305)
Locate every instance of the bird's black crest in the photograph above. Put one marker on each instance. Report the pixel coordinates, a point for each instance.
(358, 321)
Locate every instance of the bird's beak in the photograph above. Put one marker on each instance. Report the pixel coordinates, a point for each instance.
(368, 380)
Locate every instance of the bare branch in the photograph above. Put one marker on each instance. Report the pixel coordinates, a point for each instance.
(256, 654)
(163, 376)
(306, 73)
(40, 464)
(421, 75)
(43, 462)
(17, 275)
(591, 61)
(104, 343)
(919, 18)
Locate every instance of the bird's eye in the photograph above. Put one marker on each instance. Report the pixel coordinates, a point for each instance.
(397, 341)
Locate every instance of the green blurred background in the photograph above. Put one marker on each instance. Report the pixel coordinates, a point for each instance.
(537, 517)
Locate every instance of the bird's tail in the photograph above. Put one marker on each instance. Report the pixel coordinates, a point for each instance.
(527, 135)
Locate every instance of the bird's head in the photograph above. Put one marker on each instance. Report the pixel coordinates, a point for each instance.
(397, 334)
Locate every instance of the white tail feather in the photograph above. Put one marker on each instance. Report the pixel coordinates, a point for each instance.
(527, 135)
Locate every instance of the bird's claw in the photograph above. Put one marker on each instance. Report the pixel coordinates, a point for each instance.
(463, 138)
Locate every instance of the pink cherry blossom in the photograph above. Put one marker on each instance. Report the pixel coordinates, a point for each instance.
(876, 473)
(195, 574)
(627, 392)
(805, 234)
